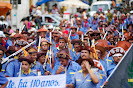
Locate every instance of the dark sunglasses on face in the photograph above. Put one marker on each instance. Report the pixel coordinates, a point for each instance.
(94, 35)
(61, 55)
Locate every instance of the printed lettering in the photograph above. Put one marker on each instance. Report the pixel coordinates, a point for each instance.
(11, 84)
(22, 84)
(36, 83)
(42, 83)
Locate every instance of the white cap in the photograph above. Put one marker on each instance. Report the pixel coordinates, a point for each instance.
(78, 18)
(2, 34)
(3, 17)
(50, 27)
(32, 30)
(131, 11)
(57, 28)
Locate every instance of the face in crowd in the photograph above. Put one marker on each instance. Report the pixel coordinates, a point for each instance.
(34, 56)
(76, 46)
(85, 54)
(98, 53)
(44, 46)
(41, 59)
(73, 30)
(62, 43)
(117, 58)
(42, 34)
(1, 53)
(63, 62)
(25, 66)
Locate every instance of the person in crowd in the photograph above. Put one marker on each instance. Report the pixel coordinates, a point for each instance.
(2, 55)
(50, 53)
(55, 35)
(85, 78)
(114, 19)
(42, 32)
(76, 50)
(55, 9)
(3, 40)
(66, 65)
(38, 11)
(85, 24)
(96, 42)
(45, 11)
(27, 24)
(3, 80)
(110, 16)
(25, 69)
(44, 61)
(13, 66)
(117, 54)
(62, 41)
(35, 66)
(74, 35)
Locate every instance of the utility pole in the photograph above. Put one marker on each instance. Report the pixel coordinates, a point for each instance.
(20, 9)
(14, 13)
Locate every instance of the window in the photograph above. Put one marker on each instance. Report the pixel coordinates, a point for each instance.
(111, 6)
(103, 6)
(48, 20)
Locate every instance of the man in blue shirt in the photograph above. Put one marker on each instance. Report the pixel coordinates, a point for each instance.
(76, 51)
(79, 27)
(128, 20)
(117, 54)
(86, 78)
(12, 68)
(36, 66)
(62, 41)
(42, 32)
(74, 35)
(3, 41)
(26, 67)
(66, 65)
(2, 52)
(3, 80)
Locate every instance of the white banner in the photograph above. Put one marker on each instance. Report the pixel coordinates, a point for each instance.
(52, 81)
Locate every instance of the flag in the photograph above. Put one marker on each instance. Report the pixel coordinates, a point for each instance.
(122, 76)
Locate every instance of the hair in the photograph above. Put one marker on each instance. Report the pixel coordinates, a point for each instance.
(26, 58)
(17, 29)
(65, 51)
(9, 27)
(27, 61)
(40, 54)
(89, 60)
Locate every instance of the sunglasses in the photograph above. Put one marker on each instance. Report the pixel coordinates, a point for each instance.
(44, 44)
(61, 55)
(94, 34)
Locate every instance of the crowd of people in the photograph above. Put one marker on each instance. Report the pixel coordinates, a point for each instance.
(86, 48)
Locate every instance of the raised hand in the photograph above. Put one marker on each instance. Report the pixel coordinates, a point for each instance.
(60, 69)
(87, 65)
